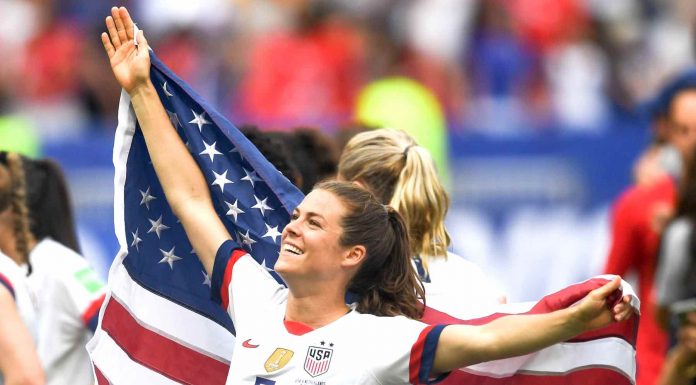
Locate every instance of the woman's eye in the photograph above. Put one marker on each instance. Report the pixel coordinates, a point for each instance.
(314, 223)
(294, 216)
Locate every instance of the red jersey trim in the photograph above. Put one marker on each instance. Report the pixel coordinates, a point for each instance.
(8, 284)
(297, 328)
(227, 278)
(92, 310)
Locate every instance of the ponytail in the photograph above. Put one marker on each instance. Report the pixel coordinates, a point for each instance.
(386, 281)
(402, 174)
(423, 202)
(18, 205)
(48, 199)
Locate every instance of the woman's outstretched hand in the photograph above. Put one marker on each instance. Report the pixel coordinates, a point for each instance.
(130, 63)
(596, 310)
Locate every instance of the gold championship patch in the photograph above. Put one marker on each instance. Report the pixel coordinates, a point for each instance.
(278, 359)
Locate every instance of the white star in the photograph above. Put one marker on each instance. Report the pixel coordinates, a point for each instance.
(157, 226)
(169, 257)
(146, 198)
(206, 279)
(199, 120)
(136, 240)
(174, 118)
(210, 150)
(272, 232)
(251, 176)
(234, 210)
(166, 90)
(221, 180)
(246, 239)
(261, 205)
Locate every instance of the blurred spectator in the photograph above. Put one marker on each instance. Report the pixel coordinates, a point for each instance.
(306, 75)
(640, 215)
(578, 72)
(49, 75)
(680, 365)
(504, 73)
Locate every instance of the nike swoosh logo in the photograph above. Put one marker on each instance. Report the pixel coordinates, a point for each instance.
(247, 344)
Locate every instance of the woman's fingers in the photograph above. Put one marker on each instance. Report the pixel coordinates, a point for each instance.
(127, 22)
(113, 33)
(120, 27)
(610, 287)
(108, 47)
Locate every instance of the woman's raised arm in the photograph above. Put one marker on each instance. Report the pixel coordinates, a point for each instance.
(183, 182)
(462, 345)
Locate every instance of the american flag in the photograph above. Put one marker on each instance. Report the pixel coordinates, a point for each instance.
(158, 324)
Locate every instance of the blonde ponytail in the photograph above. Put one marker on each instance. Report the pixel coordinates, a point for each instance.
(402, 174)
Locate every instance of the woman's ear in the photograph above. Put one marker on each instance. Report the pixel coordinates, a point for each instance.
(354, 256)
(359, 184)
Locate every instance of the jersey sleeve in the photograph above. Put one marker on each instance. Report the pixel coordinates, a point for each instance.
(409, 351)
(85, 291)
(240, 284)
(7, 284)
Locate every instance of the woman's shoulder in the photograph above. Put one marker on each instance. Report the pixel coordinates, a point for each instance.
(51, 253)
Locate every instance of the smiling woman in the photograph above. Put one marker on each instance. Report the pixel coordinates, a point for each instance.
(341, 238)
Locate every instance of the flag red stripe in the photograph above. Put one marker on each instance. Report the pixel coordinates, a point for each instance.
(626, 330)
(159, 353)
(414, 364)
(101, 380)
(92, 309)
(587, 376)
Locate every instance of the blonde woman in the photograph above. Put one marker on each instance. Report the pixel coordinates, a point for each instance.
(402, 174)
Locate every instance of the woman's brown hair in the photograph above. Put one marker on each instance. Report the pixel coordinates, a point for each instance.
(386, 282)
(13, 196)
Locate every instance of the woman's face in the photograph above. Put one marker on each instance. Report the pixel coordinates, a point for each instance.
(310, 242)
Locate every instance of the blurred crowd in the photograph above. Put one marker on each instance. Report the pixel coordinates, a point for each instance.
(498, 67)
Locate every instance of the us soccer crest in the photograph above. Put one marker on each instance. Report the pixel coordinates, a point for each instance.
(318, 360)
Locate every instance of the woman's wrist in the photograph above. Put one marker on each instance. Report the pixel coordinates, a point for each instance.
(144, 90)
(574, 320)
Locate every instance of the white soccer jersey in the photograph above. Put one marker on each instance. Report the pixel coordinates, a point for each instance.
(13, 279)
(69, 297)
(355, 349)
(458, 287)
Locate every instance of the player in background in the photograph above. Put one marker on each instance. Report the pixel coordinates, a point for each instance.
(69, 293)
(402, 174)
(642, 211)
(19, 363)
(340, 238)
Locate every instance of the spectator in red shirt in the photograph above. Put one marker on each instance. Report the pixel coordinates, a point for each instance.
(642, 211)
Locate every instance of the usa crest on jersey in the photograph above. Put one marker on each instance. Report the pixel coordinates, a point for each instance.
(318, 360)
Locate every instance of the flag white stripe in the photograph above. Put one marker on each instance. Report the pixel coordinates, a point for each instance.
(115, 364)
(169, 319)
(565, 357)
